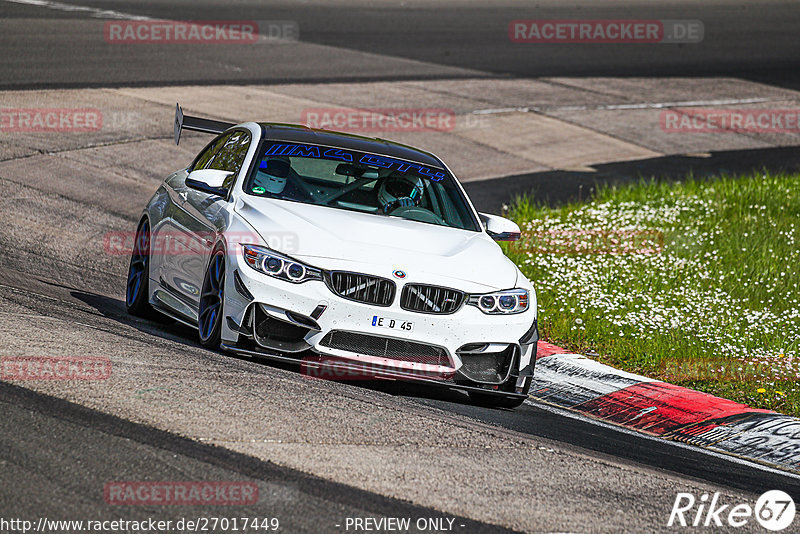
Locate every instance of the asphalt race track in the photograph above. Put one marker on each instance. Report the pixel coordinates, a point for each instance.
(397, 40)
(320, 452)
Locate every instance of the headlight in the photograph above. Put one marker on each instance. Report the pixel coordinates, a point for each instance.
(277, 265)
(501, 302)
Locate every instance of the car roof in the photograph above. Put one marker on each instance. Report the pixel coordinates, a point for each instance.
(373, 145)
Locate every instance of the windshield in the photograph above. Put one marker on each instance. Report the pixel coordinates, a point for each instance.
(358, 181)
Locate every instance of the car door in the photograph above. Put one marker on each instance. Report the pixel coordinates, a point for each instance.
(201, 216)
(164, 228)
(169, 235)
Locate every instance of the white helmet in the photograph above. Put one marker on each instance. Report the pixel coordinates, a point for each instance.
(275, 172)
(397, 186)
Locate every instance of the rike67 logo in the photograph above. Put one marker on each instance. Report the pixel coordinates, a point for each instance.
(774, 511)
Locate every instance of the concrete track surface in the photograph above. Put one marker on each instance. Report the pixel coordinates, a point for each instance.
(320, 451)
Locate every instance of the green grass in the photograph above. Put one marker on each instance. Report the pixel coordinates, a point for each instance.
(720, 298)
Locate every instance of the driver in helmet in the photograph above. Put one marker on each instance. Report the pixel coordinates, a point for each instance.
(399, 190)
(271, 176)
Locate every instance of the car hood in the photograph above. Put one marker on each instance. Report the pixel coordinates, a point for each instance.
(333, 238)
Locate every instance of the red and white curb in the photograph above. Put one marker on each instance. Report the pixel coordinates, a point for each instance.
(584, 386)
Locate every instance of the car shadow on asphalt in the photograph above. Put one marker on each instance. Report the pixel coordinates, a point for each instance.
(114, 309)
(555, 188)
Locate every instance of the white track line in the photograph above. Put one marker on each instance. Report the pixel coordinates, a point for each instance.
(92, 11)
(735, 459)
(640, 105)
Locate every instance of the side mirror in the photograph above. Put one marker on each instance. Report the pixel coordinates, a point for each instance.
(346, 169)
(500, 228)
(209, 181)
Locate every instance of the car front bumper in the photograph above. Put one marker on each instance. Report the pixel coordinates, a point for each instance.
(288, 321)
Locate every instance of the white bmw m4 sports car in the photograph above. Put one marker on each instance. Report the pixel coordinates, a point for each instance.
(330, 249)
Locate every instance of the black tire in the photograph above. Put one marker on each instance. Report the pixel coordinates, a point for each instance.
(137, 288)
(212, 299)
(498, 401)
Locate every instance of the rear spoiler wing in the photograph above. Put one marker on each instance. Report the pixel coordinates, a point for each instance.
(197, 124)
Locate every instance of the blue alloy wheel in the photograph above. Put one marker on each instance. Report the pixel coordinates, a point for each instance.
(136, 293)
(211, 299)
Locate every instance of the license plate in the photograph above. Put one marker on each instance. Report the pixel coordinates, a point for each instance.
(392, 324)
